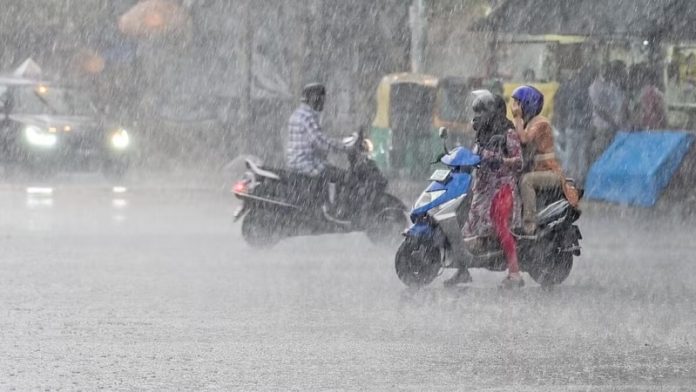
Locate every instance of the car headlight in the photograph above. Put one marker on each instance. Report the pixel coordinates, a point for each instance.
(39, 137)
(120, 139)
(428, 197)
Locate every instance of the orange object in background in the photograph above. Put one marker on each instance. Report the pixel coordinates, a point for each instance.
(92, 63)
(154, 17)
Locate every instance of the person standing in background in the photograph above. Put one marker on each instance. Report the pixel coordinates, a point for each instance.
(609, 106)
(649, 110)
(573, 118)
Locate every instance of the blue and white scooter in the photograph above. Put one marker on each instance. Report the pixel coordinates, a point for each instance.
(434, 240)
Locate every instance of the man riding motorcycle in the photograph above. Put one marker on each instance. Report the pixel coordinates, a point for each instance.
(280, 203)
(544, 171)
(308, 147)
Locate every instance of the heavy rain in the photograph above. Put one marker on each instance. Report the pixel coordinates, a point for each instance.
(311, 195)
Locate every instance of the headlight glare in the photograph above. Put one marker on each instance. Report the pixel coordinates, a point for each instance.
(39, 137)
(120, 139)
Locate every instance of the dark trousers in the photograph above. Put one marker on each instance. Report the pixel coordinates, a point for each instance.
(330, 175)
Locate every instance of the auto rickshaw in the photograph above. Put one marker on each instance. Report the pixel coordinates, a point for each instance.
(410, 109)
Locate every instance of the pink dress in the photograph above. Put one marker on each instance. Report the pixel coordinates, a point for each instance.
(488, 181)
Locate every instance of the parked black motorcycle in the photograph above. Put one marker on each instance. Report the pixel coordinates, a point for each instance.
(279, 204)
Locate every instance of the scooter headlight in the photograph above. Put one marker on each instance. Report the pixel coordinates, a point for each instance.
(428, 197)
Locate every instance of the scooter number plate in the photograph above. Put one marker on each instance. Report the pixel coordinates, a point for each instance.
(440, 175)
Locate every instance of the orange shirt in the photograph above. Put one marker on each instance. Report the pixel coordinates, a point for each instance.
(539, 134)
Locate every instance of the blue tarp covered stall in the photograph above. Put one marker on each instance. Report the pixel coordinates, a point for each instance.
(637, 167)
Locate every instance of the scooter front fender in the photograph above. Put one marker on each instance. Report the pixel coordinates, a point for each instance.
(420, 230)
(427, 232)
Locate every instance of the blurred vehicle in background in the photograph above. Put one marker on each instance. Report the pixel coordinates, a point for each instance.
(46, 128)
(410, 109)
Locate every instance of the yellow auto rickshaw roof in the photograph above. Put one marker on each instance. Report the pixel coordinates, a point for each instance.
(384, 90)
(408, 77)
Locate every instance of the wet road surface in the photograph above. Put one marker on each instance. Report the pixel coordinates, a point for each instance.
(131, 287)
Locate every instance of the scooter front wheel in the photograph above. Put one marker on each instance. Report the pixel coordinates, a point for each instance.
(417, 263)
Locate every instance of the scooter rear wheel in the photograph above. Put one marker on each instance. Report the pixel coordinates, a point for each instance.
(554, 270)
(417, 264)
(260, 230)
(387, 227)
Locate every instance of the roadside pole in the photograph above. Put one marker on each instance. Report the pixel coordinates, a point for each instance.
(418, 19)
(246, 58)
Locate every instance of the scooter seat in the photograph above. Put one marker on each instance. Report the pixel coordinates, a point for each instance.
(552, 212)
(278, 174)
(261, 172)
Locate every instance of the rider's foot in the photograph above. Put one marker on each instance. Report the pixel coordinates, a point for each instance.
(512, 281)
(328, 209)
(460, 277)
(329, 214)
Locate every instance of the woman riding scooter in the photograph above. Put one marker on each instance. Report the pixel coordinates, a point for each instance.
(494, 206)
(544, 171)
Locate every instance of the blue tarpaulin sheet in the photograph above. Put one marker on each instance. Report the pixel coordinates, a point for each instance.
(637, 166)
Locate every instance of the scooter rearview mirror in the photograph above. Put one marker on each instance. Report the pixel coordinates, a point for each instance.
(437, 160)
(442, 132)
